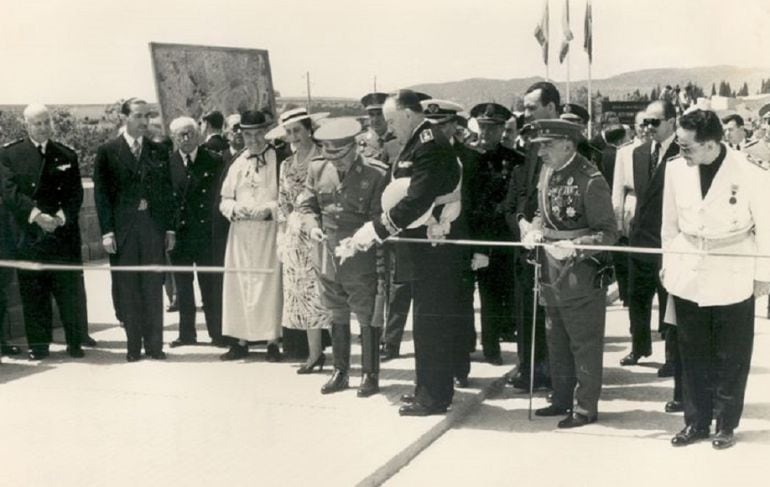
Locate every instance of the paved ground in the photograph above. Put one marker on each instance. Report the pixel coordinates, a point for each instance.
(194, 420)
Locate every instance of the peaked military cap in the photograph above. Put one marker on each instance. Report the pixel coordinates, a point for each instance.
(574, 113)
(374, 101)
(490, 113)
(440, 110)
(551, 129)
(252, 119)
(338, 129)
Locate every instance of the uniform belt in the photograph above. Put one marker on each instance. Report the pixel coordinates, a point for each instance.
(712, 243)
(551, 234)
(447, 198)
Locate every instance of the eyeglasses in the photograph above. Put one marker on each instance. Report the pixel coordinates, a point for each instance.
(652, 122)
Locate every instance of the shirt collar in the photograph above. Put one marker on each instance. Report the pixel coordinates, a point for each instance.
(193, 155)
(663, 145)
(42, 145)
(130, 140)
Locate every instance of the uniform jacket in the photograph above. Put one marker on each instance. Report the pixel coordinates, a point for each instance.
(121, 182)
(429, 159)
(384, 149)
(737, 202)
(50, 184)
(195, 195)
(623, 193)
(575, 199)
(645, 226)
(340, 208)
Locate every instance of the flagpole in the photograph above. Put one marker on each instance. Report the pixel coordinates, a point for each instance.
(548, 40)
(568, 38)
(590, 101)
(568, 87)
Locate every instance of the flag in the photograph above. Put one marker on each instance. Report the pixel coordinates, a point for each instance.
(566, 31)
(541, 33)
(588, 44)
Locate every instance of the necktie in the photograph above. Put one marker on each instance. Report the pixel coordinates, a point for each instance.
(654, 157)
(136, 149)
(188, 163)
(40, 151)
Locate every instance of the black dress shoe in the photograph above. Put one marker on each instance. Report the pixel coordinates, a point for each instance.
(576, 420)
(339, 382)
(552, 411)
(521, 381)
(181, 343)
(38, 353)
(690, 434)
(631, 359)
(417, 409)
(388, 353)
(76, 352)
(370, 384)
(220, 342)
(133, 357)
(666, 370)
(494, 359)
(160, 355)
(87, 341)
(674, 407)
(461, 382)
(723, 439)
(236, 352)
(8, 349)
(407, 398)
(172, 307)
(273, 354)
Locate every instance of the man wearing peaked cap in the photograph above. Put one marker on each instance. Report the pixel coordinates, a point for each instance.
(342, 192)
(439, 111)
(574, 113)
(575, 208)
(377, 143)
(486, 219)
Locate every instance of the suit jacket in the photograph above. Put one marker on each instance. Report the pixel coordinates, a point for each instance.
(121, 182)
(195, 193)
(216, 143)
(521, 198)
(50, 183)
(645, 226)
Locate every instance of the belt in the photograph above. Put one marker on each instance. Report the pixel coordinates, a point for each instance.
(711, 243)
(552, 234)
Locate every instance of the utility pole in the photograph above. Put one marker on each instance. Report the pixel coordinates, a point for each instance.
(307, 77)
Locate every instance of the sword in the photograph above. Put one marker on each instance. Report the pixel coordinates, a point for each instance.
(536, 293)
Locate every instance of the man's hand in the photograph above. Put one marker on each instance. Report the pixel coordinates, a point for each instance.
(563, 249)
(109, 244)
(47, 222)
(479, 261)
(531, 238)
(317, 235)
(364, 237)
(761, 288)
(170, 241)
(524, 227)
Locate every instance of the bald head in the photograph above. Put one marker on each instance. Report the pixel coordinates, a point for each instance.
(37, 121)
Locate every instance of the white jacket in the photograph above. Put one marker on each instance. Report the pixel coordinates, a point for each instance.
(623, 195)
(737, 204)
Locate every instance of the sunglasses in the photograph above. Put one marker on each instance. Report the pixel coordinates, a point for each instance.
(652, 122)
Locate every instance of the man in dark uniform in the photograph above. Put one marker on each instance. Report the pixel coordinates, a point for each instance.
(41, 187)
(134, 203)
(377, 143)
(487, 222)
(575, 208)
(343, 191)
(431, 205)
(7, 251)
(211, 127)
(541, 101)
(194, 177)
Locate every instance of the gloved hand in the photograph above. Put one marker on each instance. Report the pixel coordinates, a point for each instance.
(524, 227)
(317, 235)
(563, 249)
(479, 261)
(531, 238)
(364, 237)
(109, 243)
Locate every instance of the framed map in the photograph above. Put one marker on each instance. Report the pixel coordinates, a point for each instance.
(192, 80)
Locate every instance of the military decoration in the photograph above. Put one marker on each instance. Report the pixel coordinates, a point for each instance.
(733, 192)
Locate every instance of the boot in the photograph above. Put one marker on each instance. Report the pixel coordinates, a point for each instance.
(370, 353)
(370, 384)
(338, 382)
(341, 346)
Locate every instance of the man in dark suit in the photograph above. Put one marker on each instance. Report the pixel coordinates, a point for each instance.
(134, 203)
(7, 250)
(649, 167)
(211, 127)
(42, 189)
(194, 177)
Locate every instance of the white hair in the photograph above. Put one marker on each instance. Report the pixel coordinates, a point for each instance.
(33, 110)
(181, 122)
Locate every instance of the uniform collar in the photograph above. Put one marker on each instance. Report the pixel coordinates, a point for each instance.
(193, 156)
(570, 161)
(41, 146)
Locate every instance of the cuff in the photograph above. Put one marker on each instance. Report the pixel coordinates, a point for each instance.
(170, 232)
(61, 216)
(108, 235)
(33, 214)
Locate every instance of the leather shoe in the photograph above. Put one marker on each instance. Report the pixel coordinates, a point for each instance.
(220, 342)
(552, 411)
(131, 357)
(461, 382)
(181, 343)
(369, 385)
(236, 352)
(690, 434)
(666, 370)
(76, 352)
(388, 353)
(494, 359)
(172, 307)
(88, 341)
(38, 353)
(273, 354)
(160, 355)
(521, 381)
(417, 409)
(575, 420)
(631, 359)
(723, 439)
(339, 381)
(674, 407)
(8, 349)
(407, 398)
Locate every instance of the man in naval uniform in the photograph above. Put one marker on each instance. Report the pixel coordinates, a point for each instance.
(377, 142)
(575, 207)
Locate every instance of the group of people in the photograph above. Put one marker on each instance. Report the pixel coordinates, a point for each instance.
(316, 219)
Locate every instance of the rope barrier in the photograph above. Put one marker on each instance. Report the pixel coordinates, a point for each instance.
(37, 266)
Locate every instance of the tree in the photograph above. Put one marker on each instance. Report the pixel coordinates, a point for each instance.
(713, 89)
(744, 91)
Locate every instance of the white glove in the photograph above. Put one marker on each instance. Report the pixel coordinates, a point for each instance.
(563, 249)
(531, 238)
(524, 227)
(479, 261)
(364, 237)
(109, 244)
(317, 235)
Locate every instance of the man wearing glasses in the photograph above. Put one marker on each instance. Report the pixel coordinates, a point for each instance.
(715, 200)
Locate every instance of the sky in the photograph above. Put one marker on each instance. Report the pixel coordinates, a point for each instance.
(96, 51)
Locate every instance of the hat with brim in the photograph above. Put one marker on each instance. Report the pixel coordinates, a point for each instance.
(493, 113)
(572, 112)
(252, 119)
(374, 101)
(440, 111)
(279, 131)
(553, 129)
(340, 130)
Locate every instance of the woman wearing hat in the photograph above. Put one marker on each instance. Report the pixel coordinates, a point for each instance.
(302, 309)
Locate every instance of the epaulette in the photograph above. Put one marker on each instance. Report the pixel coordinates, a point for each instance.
(12, 143)
(376, 164)
(589, 169)
(426, 135)
(758, 162)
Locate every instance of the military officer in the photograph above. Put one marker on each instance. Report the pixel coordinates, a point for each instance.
(715, 200)
(575, 208)
(376, 142)
(41, 187)
(342, 192)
